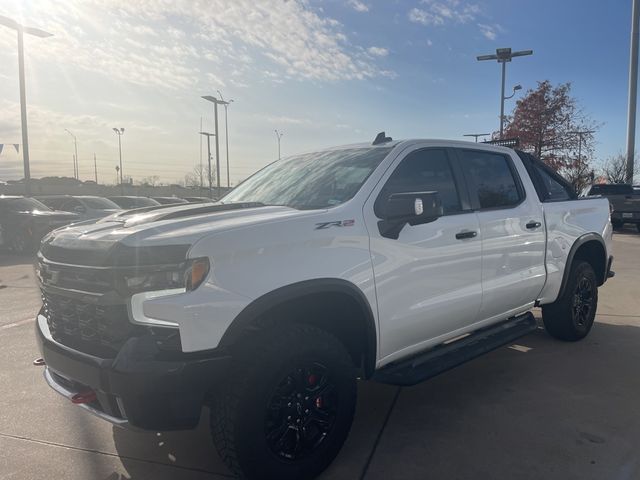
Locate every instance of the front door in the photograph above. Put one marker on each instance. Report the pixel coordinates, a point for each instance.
(428, 280)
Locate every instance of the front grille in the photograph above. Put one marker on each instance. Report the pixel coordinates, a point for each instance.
(99, 330)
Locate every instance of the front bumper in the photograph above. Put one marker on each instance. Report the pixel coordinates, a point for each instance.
(138, 388)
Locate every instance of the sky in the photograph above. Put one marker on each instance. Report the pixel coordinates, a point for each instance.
(324, 72)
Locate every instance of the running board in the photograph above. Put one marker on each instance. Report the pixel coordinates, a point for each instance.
(446, 356)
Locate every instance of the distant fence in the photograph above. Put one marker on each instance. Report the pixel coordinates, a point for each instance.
(505, 142)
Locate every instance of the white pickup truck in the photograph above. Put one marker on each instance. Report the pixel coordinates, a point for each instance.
(392, 261)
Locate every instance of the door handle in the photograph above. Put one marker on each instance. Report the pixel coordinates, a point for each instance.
(531, 225)
(468, 234)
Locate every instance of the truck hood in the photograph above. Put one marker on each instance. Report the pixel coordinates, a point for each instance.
(154, 235)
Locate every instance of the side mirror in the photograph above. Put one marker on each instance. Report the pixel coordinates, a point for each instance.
(414, 208)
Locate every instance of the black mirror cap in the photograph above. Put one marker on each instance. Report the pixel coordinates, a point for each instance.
(414, 208)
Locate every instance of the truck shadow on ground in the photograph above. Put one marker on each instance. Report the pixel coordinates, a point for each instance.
(540, 408)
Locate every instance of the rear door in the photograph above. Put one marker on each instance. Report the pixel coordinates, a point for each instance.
(428, 282)
(511, 228)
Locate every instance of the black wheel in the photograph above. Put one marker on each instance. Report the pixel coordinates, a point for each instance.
(571, 317)
(288, 406)
(617, 224)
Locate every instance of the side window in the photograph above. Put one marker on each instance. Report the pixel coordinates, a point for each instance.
(424, 171)
(491, 178)
(554, 191)
(69, 205)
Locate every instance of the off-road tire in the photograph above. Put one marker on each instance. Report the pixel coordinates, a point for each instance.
(570, 318)
(239, 412)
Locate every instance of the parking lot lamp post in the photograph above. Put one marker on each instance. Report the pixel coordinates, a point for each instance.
(216, 102)
(209, 135)
(226, 135)
(504, 55)
(278, 136)
(36, 32)
(76, 173)
(119, 132)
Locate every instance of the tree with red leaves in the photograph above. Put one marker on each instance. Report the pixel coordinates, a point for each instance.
(545, 120)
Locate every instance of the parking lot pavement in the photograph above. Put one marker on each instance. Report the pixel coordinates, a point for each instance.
(538, 409)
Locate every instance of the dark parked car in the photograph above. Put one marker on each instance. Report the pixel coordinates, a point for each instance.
(87, 207)
(169, 200)
(130, 202)
(198, 199)
(625, 203)
(24, 221)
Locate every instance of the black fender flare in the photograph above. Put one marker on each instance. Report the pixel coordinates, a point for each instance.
(247, 318)
(587, 237)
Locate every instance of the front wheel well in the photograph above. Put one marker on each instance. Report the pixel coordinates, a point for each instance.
(343, 313)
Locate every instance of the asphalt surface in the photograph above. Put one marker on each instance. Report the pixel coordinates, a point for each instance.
(539, 409)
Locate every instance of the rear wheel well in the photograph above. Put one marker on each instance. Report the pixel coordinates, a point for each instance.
(339, 313)
(594, 254)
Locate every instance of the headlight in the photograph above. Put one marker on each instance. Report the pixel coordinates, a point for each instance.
(188, 275)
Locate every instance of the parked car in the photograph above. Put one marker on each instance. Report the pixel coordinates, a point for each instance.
(129, 202)
(198, 199)
(24, 221)
(87, 207)
(169, 200)
(625, 203)
(392, 261)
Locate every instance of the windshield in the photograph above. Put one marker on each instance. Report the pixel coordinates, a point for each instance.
(26, 205)
(314, 180)
(98, 203)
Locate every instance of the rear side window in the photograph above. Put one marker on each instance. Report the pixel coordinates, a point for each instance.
(492, 179)
(553, 191)
(425, 170)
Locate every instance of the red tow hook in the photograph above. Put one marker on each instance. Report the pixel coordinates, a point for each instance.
(39, 362)
(84, 397)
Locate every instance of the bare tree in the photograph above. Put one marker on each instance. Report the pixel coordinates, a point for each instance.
(615, 168)
(198, 177)
(150, 181)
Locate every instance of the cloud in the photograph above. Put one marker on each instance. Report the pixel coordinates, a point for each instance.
(438, 13)
(378, 51)
(282, 119)
(358, 6)
(170, 44)
(488, 31)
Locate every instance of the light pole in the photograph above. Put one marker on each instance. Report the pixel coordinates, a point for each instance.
(476, 135)
(21, 30)
(76, 173)
(209, 135)
(119, 132)
(216, 102)
(278, 136)
(633, 91)
(226, 135)
(504, 55)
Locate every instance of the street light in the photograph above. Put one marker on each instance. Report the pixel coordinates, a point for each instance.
(503, 55)
(226, 134)
(76, 173)
(119, 132)
(216, 102)
(515, 89)
(279, 136)
(209, 135)
(36, 32)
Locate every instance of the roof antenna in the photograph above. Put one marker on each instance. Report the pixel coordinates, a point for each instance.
(381, 138)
